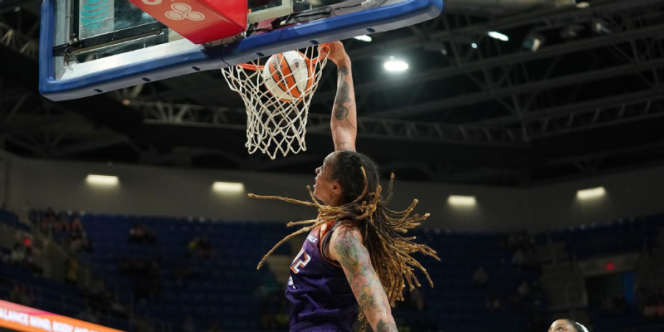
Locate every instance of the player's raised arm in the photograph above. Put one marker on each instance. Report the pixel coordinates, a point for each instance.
(347, 248)
(344, 111)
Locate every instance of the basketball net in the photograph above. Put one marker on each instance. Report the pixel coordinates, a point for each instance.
(275, 126)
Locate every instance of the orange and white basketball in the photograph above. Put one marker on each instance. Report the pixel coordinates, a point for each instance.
(288, 76)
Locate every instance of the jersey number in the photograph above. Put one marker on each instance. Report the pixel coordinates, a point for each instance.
(301, 260)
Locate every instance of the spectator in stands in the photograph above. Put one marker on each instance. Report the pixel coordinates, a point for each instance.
(524, 290)
(30, 263)
(480, 277)
(75, 223)
(188, 325)
(17, 256)
(519, 258)
(200, 247)
(205, 249)
(21, 256)
(77, 241)
(48, 221)
(141, 234)
(71, 276)
(137, 234)
(492, 302)
(66, 228)
(654, 306)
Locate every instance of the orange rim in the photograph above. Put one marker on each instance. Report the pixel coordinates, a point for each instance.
(249, 66)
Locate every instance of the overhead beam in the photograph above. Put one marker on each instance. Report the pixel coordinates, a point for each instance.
(45, 122)
(11, 5)
(445, 103)
(504, 23)
(101, 109)
(586, 105)
(499, 61)
(222, 117)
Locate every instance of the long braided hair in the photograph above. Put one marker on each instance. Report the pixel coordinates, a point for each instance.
(383, 230)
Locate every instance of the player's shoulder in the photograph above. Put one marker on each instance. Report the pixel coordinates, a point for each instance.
(346, 230)
(344, 225)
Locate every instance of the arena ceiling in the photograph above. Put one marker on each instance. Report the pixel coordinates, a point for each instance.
(471, 109)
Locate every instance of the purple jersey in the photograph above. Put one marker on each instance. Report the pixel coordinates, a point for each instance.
(321, 298)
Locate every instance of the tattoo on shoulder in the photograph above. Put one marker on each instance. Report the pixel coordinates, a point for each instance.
(384, 326)
(348, 246)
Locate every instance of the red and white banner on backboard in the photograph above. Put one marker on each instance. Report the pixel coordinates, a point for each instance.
(25, 319)
(200, 21)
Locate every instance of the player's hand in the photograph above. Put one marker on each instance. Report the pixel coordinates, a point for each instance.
(336, 52)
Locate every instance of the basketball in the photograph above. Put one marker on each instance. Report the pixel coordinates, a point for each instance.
(288, 76)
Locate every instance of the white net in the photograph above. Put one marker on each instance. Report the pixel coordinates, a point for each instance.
(277, 97)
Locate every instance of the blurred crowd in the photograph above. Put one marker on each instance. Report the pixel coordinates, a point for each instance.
(66, 228)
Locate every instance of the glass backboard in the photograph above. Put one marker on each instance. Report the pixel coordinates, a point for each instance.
(89, 47)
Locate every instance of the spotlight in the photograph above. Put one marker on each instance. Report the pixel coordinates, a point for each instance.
(456, 200)
(600, 26)
(581, 4)
(533, 41)
(228, 187)
(102, 180)
(498, 35)
(364, 38)
(395, 66)
(473, 45)
(591, 193)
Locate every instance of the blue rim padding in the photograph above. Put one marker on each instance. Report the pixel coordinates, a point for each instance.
(337, 28)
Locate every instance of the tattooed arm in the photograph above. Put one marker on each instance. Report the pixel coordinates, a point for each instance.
(344, 112)
(346, 248)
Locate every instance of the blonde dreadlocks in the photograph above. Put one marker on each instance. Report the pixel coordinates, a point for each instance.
(383, 229)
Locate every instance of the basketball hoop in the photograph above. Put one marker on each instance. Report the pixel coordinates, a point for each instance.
(277, 99)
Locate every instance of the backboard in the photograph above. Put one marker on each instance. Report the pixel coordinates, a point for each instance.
(89, 47)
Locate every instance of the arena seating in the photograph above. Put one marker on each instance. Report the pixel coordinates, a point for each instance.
(609, 238)
(224, 291)
(11, 220)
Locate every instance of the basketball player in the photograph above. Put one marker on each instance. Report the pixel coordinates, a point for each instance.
(567, 325)
(355, 260)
